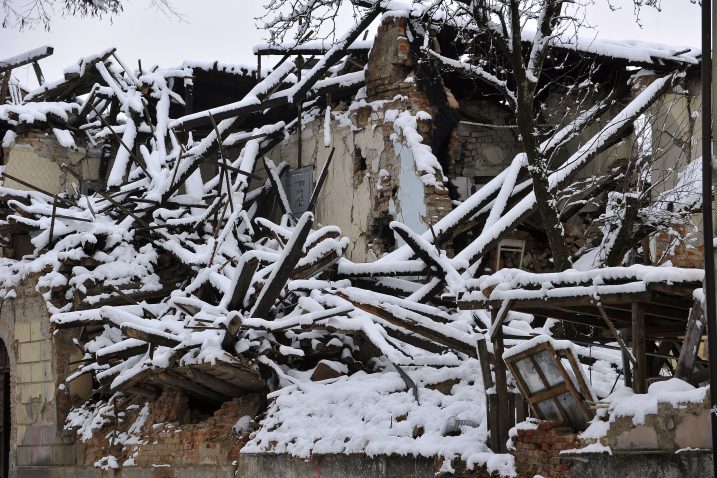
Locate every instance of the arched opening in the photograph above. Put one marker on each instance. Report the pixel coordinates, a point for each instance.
(4, 411)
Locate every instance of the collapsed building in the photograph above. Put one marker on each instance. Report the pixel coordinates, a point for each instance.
(334, 265)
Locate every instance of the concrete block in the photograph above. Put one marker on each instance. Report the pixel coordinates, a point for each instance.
(40, 371)
(46, 351)
(29, 391)
(23, 373)
(41, 455)
(63, 455)
(29, 352)
(638, 438)
(48, 391)
(694, 431)
(23, 456)
(27, 413)
(50, 435)
(22, 332)
(19, 433)
(32, 436)
(36, 329)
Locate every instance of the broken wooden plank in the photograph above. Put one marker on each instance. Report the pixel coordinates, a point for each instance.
(152, 336)
(118, 351)
(277, 186)
(497, 326)
(690, 345)
(412, 325)
(283, 267)
(320, 182)
(240, 286)
(26, 58)
(616, 334)
(501, 387)
(639, 383)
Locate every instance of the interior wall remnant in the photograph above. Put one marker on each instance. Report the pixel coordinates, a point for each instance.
(675, 132)
(373, 179)
(37, 158)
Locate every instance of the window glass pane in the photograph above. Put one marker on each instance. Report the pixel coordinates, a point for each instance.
(575, 415)
(549, 410)
(549, 368)
(529, 375)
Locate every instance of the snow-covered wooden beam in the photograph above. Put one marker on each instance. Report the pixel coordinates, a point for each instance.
(283, 268)
(309, 48)
(26, 58)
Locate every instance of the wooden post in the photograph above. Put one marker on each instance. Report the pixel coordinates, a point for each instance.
(299, 66)
(626, 362)
(501, 388)
(490, 398)
(5, 86)
(693, 335)
(638, 348)
(38, 72)
(188, 96)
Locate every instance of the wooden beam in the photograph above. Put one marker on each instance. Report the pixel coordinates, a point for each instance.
(497, 326)
(276, 185)
(246, 270)
(693, 336)
(5, 86)
(559, 302)
(38, 73)
(310, 270)
(638, 347)
(501, 388)
(407, 235)
(412, 326)
(174, 379)
(283, 268)
(616, 334)
(202, 378)
(155, 337)
(131, 351)
(320, 182)
(31, 56)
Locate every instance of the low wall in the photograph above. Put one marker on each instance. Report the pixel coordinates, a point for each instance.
(640, 465)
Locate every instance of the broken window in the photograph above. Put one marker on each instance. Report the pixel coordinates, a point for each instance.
(553, 391)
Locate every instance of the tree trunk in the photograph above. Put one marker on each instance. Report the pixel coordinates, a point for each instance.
(538, 169)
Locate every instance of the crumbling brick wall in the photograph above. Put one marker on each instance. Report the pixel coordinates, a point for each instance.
(174, 434)
(372, 178)
(537, 450)
(478, 152)
(688, 253)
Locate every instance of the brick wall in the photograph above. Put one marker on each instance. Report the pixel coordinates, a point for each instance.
(479, 151)
(537, 450)
(688, 253)
(169, 438)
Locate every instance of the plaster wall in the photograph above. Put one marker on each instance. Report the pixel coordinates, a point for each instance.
(36, 158)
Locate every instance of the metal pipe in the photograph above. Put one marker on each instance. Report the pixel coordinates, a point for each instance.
(707, 228)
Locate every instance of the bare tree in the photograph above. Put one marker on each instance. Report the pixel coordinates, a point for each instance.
(23, 14)
(506, 44)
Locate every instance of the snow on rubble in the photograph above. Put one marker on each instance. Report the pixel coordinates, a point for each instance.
(203, 279)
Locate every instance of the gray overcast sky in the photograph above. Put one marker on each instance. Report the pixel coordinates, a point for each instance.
(225, 30)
